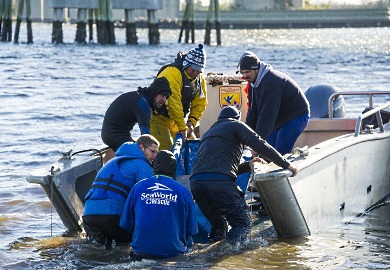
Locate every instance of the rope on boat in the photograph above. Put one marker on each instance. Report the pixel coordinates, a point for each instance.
(90, 150)
(383, 202)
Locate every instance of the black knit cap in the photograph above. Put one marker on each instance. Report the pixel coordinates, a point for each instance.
(249, 61)
(230, 112)
(165, 164)
(161, 86)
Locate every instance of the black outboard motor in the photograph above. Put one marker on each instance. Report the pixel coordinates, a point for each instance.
(318, 97)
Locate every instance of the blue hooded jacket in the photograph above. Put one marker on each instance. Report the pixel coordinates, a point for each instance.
(115, 180)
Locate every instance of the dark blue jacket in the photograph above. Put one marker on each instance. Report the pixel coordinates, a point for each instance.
(275, 101)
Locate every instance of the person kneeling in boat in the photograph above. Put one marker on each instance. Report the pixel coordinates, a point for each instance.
(214, 172)
(160, 213)
(105, 200)
(129, 109)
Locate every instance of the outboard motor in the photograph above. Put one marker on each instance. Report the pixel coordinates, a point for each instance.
(318, 97)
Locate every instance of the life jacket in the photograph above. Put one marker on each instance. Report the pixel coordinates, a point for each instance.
(189, 89)
(110, 182)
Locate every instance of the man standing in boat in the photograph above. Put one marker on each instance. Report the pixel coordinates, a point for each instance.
(214, 172)
(160, 213)
(129, 109)
(188, 99)
(105, 200)
(278, 109)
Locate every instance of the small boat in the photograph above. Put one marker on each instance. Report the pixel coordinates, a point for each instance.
(343, 169)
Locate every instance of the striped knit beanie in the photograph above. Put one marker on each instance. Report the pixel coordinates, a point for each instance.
(196, 58)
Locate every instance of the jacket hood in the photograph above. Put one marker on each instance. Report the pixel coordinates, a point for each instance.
(230, 112)
(132, 150)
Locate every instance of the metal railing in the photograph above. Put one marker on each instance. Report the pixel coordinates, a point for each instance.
(359, 119)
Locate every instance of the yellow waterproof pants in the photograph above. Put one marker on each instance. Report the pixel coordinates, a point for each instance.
(164, 130)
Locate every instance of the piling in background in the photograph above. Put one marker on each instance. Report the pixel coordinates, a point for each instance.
(217, 21)
(214, 5)
(57, 34)
(1, 14)
(81, 32)
(188, 22)
(90, 23)
(154, 33)
(28, 21)
(104, 23)
(18, 21)
(6, 33)
(131, 29)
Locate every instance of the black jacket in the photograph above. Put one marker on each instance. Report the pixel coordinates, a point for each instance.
(221, 147)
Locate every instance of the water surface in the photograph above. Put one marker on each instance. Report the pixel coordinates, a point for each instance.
(53, 99)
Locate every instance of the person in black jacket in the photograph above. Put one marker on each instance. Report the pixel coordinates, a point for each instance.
(215, 169)
(131, 108)
(278, 109)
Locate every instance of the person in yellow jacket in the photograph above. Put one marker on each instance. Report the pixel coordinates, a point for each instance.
(185, 107)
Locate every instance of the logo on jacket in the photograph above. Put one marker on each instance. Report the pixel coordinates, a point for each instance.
(159, 186)
(230, 95)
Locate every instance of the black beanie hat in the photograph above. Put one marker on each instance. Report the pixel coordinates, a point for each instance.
(165, 164)
(249, 61)
(161, 86)
(230, 112)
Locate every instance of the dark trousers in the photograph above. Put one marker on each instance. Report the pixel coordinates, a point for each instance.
(221, 201)
(105, 228)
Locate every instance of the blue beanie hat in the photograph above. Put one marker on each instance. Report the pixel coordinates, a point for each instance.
(196, 58)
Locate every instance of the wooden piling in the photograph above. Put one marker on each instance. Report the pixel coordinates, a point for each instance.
(90, 24)
(105, 25)
(18, 21)
(217, 21)
(6, 33)
(188, 24)
(214, 5)
(154, 33)
(28, 22)
(207, 37)
(131, 29)
(1, 14)
(58, 18)
(81, 31)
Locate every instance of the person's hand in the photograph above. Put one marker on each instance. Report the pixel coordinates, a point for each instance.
(190, 128)
(183, 134)
(254, 154)
(257, 159)
(294, 169)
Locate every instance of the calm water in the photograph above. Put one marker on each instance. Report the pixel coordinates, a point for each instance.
(53, 98)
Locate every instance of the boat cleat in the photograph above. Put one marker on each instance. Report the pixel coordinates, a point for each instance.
(368, 129)
(302, 152)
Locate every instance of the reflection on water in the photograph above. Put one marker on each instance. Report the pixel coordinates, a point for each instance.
(53, 98)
